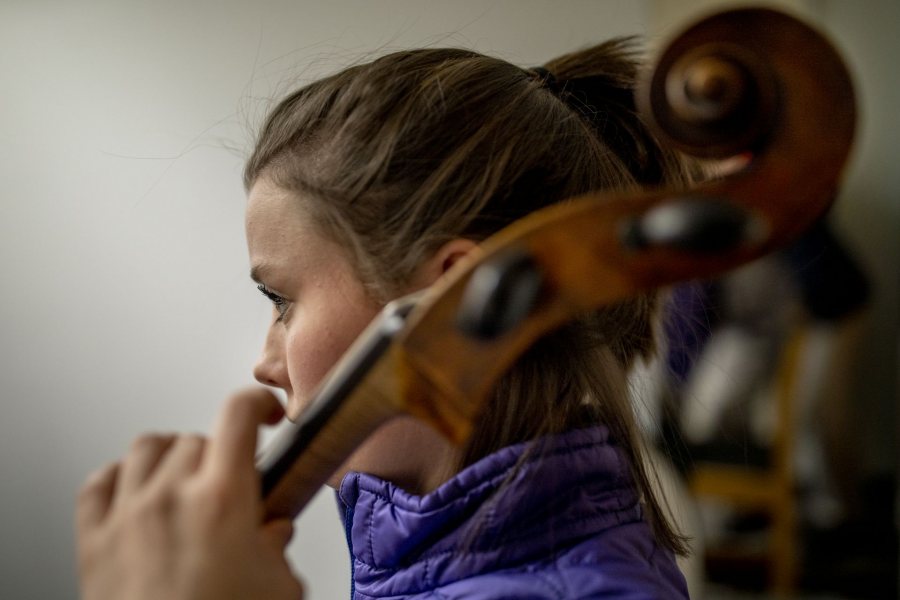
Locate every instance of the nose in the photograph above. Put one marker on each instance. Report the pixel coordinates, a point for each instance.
(271, 368)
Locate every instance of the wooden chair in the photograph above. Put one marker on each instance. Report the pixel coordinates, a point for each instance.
(769, 489)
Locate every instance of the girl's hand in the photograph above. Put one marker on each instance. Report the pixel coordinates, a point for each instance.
(180, 517)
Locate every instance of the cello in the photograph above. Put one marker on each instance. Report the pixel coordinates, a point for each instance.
(753, 84)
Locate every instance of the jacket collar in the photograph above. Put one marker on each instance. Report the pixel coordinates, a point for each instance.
(523, 502)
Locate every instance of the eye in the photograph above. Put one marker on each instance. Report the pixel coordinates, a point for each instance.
(281, 305)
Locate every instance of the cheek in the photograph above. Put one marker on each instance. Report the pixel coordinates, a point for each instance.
(310, 354)
(313, 348)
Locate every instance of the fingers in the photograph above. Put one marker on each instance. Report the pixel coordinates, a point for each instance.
(109, 485)
(146, 453)
(233, 446)
(96, 496)
(167, 459)
(182, 460)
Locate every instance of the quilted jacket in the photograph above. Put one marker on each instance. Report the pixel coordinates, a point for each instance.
(556, 520)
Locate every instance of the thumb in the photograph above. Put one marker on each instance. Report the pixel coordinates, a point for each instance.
(278, 533)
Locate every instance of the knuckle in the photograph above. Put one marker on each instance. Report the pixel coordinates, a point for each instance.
(218, 494)
(211, 499)
(93, 482)
(194, 440)
(147, 441)
(89, 485)
(152, 507)
(190, 443)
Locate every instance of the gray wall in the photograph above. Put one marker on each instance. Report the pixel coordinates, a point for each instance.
(126, 302)
(868, 211)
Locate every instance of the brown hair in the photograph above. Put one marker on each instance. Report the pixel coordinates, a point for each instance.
(400, 155)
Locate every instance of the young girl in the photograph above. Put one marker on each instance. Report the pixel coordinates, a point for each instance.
(364, 186)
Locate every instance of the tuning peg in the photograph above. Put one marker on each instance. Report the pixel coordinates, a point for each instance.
(499, 295)
(698, 224)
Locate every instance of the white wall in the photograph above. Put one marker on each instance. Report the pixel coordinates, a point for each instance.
(126, 302)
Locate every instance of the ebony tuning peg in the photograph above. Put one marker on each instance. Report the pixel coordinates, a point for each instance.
(500, 294)
(698, 224)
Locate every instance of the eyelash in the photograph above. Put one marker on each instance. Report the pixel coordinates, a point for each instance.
(281, 305)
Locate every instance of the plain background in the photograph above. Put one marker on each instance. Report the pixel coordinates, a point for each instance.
(126, 301)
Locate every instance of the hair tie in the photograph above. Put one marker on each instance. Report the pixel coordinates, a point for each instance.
(547, 79)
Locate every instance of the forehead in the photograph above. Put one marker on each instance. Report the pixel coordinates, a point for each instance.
(279, 230)
(269, 205)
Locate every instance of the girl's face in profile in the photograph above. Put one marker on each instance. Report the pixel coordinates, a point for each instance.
(319, 307)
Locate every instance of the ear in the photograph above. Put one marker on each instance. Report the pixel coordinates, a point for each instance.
(441, 261)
